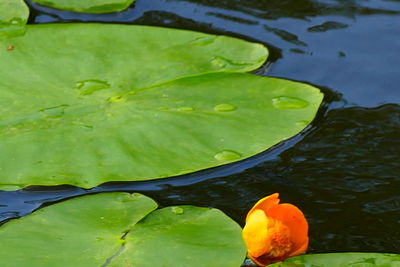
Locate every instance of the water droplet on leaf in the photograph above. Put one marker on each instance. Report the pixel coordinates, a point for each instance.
(289, 102)
(227, 155)
(219, 62)
(177, 210)
(116, 99)
(202, 41)
(13, 27)
(54, 112)
(88, 87)
(224, 107)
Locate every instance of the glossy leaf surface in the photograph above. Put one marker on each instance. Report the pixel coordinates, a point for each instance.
(342, 259)
(84, 231)
(184, 236)
(88, 104)
(87, 6)
(13, 17)
(103, 230)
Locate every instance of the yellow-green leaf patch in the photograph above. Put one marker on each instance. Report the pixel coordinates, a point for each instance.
(13, 17)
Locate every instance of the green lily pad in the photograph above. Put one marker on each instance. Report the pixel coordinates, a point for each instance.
(83, 231)
(13, 17)
(88, 104)
(183, 236)
(348, 259)
(87, 6)
(103, 229)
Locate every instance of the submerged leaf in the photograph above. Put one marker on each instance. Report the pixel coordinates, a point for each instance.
(103, 229)
(349, 259)
(13, 17)
(88, 104)
(87, 6)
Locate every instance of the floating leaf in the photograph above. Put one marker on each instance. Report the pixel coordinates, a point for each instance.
(82, 231)
(98, 229)
(342, 259)
(87, 6)
(88, 104)
(13, 17)
(190, 236)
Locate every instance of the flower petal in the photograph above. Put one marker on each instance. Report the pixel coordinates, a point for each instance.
(300, 250)
(265, 204)
(255, 234)
(294, 219)
(261, 261)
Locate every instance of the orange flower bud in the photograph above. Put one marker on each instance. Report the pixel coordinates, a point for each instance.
(274, 232)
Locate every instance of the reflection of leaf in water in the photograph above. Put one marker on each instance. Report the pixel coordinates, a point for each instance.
(327, 26)
(275, 9)
(382, 206)
(299, 51)
(232, 18)
(286, 36)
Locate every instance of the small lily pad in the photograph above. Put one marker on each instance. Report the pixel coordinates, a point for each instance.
(87, 6)
(109, 229)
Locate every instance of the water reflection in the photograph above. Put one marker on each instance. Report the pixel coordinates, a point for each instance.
(328, 26)
(275, 9)
(285, 35)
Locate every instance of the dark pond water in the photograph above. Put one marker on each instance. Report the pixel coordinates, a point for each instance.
(344, 170)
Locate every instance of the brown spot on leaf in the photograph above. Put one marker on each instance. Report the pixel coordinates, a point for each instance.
(10, 48)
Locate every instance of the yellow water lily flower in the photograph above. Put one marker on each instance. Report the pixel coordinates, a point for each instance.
(274, 232)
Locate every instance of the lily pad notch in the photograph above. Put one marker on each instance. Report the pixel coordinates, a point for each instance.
(119, 229)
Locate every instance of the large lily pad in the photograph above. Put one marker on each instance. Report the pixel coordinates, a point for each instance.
(87, 6)
(13, 17)
(87, 104)
(104, 229)
(342, 259)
